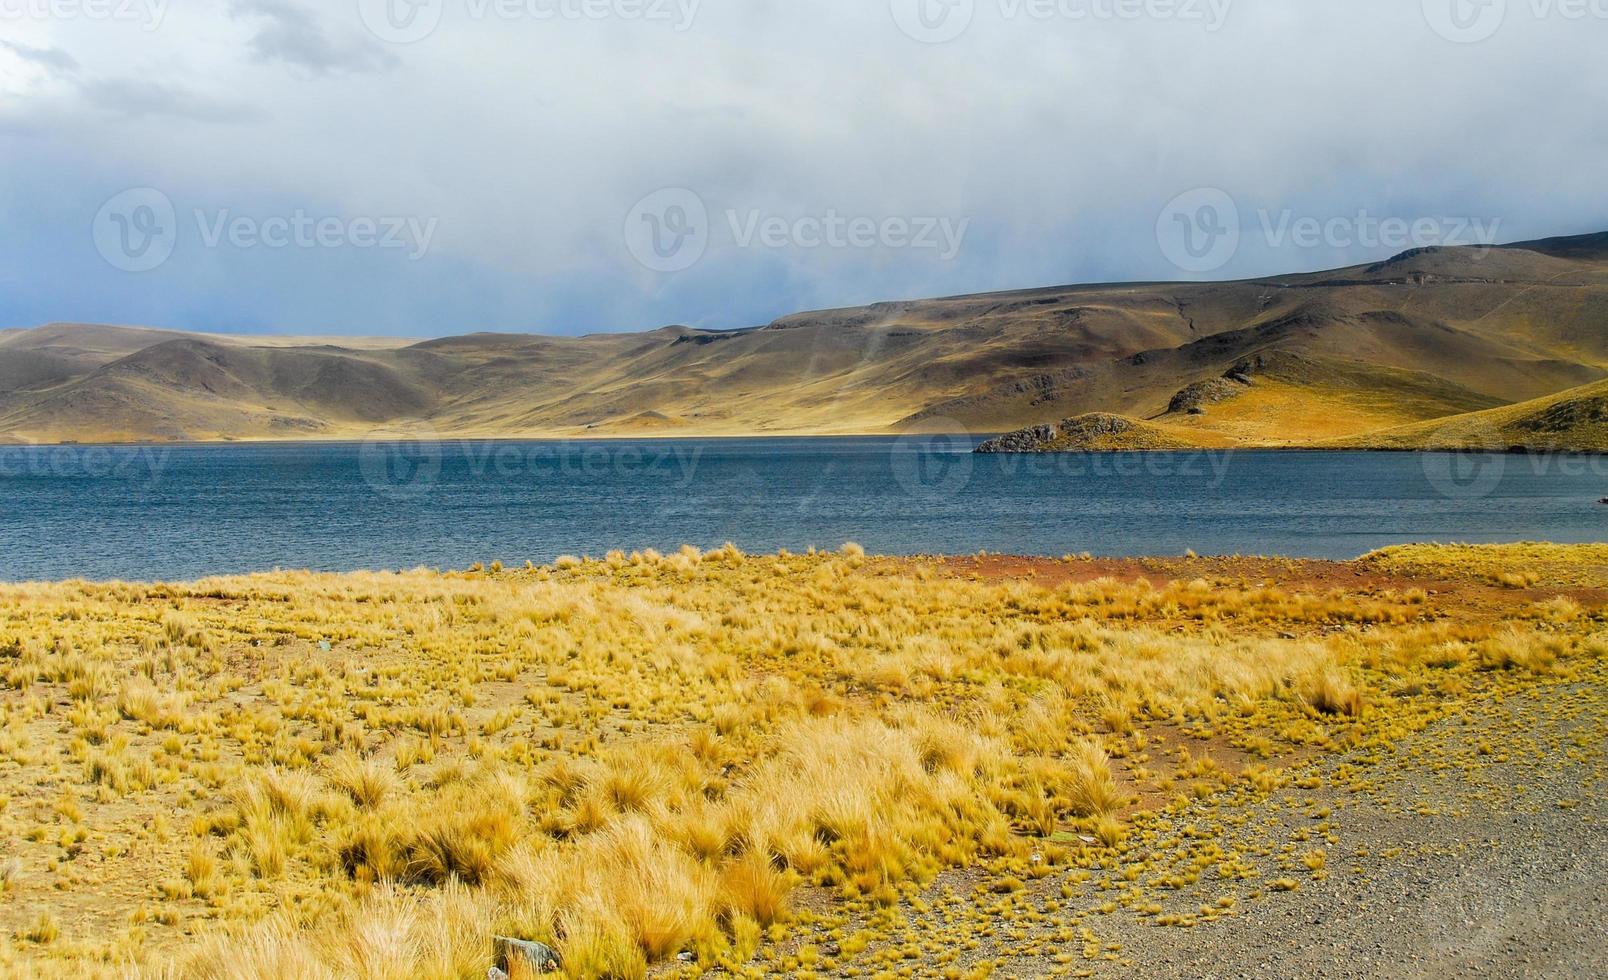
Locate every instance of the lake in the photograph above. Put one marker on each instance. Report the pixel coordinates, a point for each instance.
(173, 512)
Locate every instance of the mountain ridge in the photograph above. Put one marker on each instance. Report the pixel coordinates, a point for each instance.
(1429, 333)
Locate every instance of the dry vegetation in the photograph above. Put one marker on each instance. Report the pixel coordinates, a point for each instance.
(1509, 565)
(687, 762)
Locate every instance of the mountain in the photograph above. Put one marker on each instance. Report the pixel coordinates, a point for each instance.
(1287, 360)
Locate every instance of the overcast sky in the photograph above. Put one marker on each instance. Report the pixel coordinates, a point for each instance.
(570, 166)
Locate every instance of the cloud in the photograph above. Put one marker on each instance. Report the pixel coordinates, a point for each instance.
(293, 35)
(57, 61)
(135, 98)
(531, 139)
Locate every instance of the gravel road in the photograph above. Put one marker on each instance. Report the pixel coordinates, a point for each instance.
(1503, 870)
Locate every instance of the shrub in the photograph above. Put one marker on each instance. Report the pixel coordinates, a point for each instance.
(1091, 789)
(367, 781)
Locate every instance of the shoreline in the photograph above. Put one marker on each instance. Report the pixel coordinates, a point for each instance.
(779, 437)
(991, 564)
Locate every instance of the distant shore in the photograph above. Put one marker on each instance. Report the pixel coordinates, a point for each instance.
(913, 438)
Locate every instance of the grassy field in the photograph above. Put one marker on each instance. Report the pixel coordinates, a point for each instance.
(766, 764)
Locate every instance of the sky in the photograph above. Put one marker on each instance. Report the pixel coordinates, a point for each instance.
(436, 167)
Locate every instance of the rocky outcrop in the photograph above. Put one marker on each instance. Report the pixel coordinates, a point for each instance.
(1194, 399)
(1029, 440)
(1098, 432)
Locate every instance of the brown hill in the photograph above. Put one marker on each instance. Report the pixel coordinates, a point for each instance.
(189, 388)
(1570, 421)
(1428, 334)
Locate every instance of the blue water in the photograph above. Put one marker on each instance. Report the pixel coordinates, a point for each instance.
(180, 512)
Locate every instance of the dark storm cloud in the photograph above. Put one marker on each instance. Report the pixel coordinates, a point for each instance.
(1056, 132)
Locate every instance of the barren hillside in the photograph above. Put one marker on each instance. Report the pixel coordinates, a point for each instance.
(1332, 355)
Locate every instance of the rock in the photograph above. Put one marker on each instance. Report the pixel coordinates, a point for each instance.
(492, 973)
(539, 957)
(1194, 399)
(1039, 438)
(1095, 432)
(1024, 441)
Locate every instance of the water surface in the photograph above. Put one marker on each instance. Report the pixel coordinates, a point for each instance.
(169, 512)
